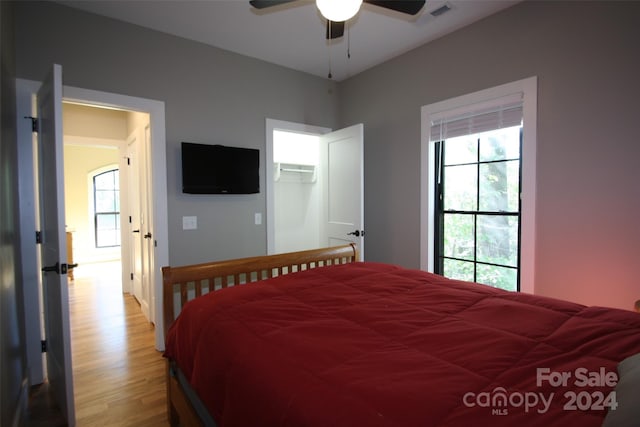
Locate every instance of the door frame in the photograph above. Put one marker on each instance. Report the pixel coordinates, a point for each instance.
(270, 126)
(85, 141)
(25, 93)
(158, 179)
(28, 206)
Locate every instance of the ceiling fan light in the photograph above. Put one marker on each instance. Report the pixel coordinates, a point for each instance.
(338, 10)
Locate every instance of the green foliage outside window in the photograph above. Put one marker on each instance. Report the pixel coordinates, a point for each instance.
(481, 207)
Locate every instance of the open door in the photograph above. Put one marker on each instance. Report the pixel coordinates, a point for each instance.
(342, 160)
(140, 233)
(135, 226)
(148, 253)
(53, 248)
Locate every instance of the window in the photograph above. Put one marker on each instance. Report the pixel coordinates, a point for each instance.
(478, 181)
(106, 201)
(477, 199)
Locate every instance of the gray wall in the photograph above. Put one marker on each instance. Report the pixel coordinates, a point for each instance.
(12, 339)
(210, 95)
(585, 55)
(587, 59)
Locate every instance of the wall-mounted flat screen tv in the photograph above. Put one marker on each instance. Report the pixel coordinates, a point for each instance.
(218, 169)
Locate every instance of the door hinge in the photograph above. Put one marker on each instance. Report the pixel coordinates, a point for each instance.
(34, 123)
(128, 161)
(43, 346)
(38, 237)
(131, 276)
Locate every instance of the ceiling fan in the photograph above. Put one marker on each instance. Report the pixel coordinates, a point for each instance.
(337, 12)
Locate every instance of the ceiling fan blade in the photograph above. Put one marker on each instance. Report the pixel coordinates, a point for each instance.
(262, 4)
(411, 7)
(334, 29)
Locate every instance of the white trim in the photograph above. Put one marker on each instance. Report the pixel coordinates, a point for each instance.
(25, 93)
(89, 141)
(156, 111)
(528, 88)
(272, 125)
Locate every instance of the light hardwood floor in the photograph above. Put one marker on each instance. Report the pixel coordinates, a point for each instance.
(118, 375)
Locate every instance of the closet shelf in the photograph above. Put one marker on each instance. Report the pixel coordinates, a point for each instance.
(292, 172)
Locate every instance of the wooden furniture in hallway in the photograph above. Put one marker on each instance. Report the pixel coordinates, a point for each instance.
(70, 254)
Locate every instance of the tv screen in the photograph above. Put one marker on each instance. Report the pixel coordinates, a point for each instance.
(217, 169)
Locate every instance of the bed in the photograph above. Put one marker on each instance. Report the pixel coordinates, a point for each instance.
(316, 338)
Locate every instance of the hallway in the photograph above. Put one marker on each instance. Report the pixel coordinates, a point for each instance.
(119, 377)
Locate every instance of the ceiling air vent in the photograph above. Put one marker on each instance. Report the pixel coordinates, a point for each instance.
(441, 10)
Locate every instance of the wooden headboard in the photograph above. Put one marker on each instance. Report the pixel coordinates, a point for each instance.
(192, 281)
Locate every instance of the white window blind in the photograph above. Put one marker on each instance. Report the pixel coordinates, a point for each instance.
(470, 119)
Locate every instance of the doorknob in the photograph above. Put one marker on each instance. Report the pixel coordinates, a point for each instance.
(136, 231)
(147, 236)
(356, 233)
(59, 268)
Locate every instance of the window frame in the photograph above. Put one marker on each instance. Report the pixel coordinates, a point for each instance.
(527, 88)
(441, 211)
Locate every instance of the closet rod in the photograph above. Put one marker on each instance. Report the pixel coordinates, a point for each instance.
(296, 170)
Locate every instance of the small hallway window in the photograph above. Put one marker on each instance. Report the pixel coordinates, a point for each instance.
(106, 199)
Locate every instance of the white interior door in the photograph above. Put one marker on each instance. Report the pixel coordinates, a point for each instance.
(342, 170)
(135, 226)
(138, 201)
(148, 243)
(53, 248)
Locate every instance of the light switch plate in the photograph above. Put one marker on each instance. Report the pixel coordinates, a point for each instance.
(189, 222)
(258, 218)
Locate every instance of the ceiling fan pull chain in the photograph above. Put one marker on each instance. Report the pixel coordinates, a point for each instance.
(329, 48)
(348, 40)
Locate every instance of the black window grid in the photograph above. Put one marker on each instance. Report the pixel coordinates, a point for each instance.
(439, 231)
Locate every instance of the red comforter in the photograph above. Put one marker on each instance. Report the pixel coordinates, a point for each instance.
(369, 344)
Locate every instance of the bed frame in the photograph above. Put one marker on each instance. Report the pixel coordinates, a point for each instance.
(181, 284)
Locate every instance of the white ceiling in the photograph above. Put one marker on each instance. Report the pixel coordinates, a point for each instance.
(293, 35)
